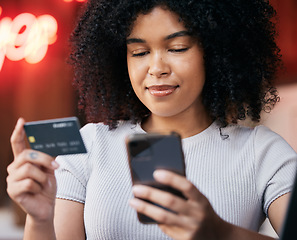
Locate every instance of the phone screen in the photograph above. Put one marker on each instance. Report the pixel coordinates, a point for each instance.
(148, 152)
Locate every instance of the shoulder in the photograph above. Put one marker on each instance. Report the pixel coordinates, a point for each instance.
(265, 138)
(257, 134)
(259, 140)
(100, 132)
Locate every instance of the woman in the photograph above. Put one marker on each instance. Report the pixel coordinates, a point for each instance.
(194, 67)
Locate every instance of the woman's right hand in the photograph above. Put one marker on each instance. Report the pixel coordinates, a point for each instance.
(31, 181)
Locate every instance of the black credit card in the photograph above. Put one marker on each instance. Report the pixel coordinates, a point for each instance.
(55, 137)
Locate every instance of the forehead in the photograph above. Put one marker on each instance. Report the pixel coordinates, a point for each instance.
(158, 20)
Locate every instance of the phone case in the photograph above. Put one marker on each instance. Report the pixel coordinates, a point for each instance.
(148, 152)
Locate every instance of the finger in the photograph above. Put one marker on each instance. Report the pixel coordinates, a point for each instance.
(34, 157)
(25, 186)
(18, 138)
(168, 200)
(160, 197)
(160, 215)
(31, 171)
(180, 183)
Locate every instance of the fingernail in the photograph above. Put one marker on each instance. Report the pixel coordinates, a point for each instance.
(33, 155)
(160, 174)
(19, 121)
(55, 165)
(134, 203)
(137, 190)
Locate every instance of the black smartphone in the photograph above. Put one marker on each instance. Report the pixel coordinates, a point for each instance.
(148, 152)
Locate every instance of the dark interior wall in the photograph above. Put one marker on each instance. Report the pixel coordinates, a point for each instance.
(287, 39)
(35, 91)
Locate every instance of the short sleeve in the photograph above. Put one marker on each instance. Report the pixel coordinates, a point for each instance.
(275, 165)
(74, 170)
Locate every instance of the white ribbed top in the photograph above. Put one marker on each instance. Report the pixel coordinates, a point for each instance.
(240, 175)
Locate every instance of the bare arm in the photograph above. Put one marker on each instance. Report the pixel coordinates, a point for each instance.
(68, 221)
(38, 229)
(277, 211)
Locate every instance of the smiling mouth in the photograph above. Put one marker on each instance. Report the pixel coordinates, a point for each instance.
(162, 91)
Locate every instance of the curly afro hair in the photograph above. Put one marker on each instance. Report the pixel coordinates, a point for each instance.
(238, 38)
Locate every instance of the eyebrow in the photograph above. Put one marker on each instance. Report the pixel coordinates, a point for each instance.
(178, 34)
(171, 36)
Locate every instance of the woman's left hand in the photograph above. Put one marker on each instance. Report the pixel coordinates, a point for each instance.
(193, 218)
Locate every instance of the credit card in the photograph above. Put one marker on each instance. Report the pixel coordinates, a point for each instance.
(55, 137)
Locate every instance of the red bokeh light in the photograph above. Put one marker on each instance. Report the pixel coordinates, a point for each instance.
(75, 0)
(26, 37)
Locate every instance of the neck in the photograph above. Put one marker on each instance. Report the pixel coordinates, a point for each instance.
(187, 124)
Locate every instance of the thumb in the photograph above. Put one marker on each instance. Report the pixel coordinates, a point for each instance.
(17, 139)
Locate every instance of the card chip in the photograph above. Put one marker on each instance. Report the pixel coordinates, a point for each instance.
(31, 139)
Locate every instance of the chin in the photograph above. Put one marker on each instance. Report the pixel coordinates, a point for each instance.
(165, 114)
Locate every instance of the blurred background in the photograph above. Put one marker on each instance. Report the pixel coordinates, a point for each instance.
(35, 80)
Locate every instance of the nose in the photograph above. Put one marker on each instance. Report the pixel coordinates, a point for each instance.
(159, 67)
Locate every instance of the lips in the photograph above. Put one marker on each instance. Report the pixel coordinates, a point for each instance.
(162, 90)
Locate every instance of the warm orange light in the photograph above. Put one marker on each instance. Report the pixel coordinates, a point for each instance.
(26, 37)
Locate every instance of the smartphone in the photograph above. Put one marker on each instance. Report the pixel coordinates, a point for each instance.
(148, 152)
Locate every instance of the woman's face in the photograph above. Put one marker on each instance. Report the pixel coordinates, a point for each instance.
(165, 64)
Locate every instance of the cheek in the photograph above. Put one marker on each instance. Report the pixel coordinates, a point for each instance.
(137, 77)
(192, 72)
(136, 72)
(192, 75)
(197, 68)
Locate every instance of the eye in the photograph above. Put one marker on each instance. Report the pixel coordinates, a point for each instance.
(140, 54)
(178, 50)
